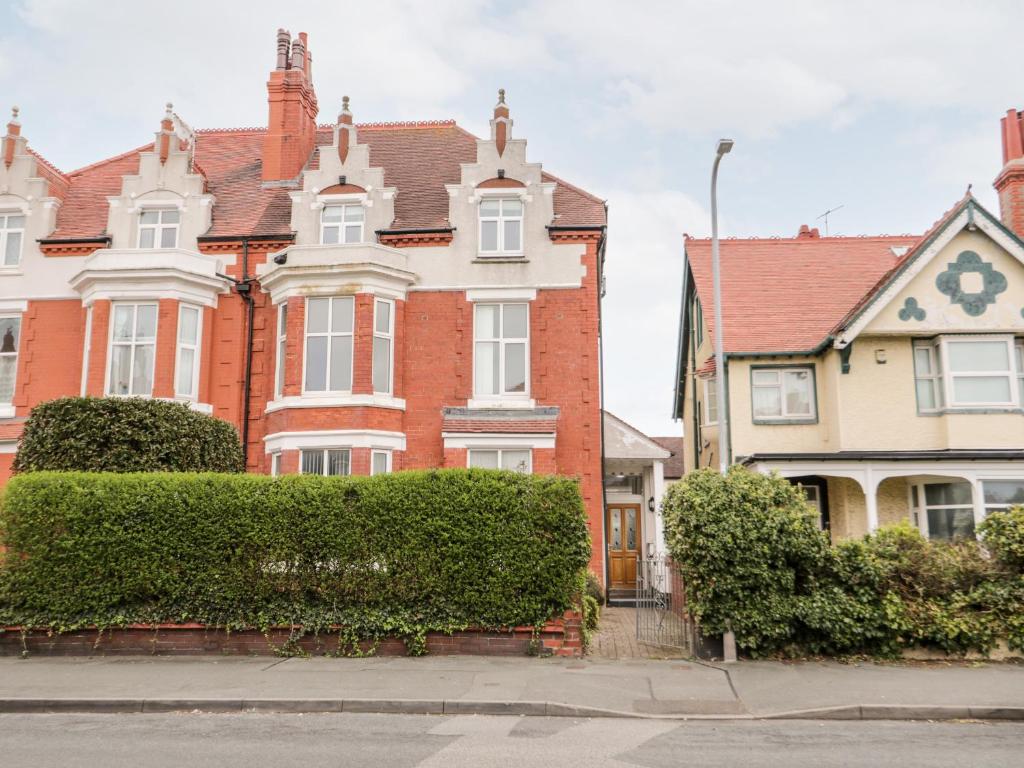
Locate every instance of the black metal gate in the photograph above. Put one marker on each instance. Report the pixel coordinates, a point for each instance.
(661, 615)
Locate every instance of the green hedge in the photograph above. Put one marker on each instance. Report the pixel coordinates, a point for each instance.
(126, 434)
(405, 553)
(752, 559)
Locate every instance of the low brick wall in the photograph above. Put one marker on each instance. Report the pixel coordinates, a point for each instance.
(559, 637)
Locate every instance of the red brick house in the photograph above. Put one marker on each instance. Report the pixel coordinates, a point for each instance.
(354, 298)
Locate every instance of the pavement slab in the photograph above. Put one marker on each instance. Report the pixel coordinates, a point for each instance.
(591, 687)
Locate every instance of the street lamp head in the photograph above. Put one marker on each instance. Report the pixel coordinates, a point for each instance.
(724, 146)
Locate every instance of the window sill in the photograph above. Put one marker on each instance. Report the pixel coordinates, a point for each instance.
(774, 422)
(501, 258)
(11, 271)
(502, 402)
(972, 411)
(335, 401)
(6, 411)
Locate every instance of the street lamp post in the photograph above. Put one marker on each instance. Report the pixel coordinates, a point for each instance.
(724, 146)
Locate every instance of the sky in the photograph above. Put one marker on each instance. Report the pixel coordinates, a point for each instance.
(887, 109)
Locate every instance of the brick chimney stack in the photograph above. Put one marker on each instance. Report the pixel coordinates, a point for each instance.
(1010, 182)
(291, 128)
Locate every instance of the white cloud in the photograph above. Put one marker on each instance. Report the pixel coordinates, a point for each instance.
(753, 67)
(644, 273)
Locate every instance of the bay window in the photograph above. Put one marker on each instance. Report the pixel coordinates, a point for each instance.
(514, 459)
(158, 228)
(328, 358)
(501, 225)
(782, 394)
(10, 336)
(383, 345)
(341, 223)
(12, 233)
(329, 461)
(964, 372)
(132, 347)
(186, 380)
(501, 350)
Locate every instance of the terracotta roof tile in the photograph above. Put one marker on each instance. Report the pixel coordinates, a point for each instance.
(789, 294)
(674, 464)
(418, 159)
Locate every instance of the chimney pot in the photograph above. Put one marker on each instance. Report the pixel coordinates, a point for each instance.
(284, 43)
(291, 124)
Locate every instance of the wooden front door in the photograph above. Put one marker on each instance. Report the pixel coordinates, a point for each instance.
(623, 543)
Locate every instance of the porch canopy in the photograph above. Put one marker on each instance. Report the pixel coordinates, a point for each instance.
(995, 477)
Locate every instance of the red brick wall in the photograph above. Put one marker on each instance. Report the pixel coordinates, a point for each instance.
(1011, 200)
(50, 353)
(433, 368)
(559, 637)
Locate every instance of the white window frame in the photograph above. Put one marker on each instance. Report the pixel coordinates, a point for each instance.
(326, 459)
(387, 459)
(502, 342)
(500, 451)
(86, 350)
(389, 335)
(275, 464)
(1018, 348)
(6, 232)
(922, 507)
(942, 372)
(710, 392)
(784, 415)
(330, 335)
(196, 349)
(133, 344)
(7, 406)
(159, 228)
(343, 225)
(992, 507)
(282, 340)
(933, 378)
(500, 219)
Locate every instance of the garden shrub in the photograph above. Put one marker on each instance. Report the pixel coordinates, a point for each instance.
(594, 589)
(1003, 533)
(753, 559)
(402, 553)
(747, 548)
(126, 434)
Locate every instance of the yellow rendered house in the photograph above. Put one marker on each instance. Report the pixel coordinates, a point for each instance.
(884, 375)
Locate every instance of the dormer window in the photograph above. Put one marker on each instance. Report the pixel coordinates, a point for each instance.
(12, 232)
(501, 226)
(341, 224)
(158, 228)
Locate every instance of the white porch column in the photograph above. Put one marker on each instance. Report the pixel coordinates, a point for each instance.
(871, 499)
(658, 476)
(978, 497)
